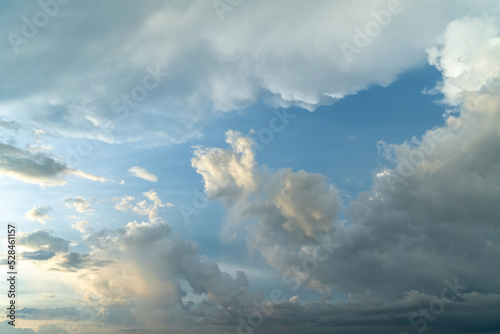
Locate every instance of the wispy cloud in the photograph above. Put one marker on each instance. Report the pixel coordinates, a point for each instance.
(39, 214)
(143, 174)
(79, 203)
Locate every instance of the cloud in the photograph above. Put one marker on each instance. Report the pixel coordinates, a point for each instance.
(42, 240)
(55, 253)
(79, 203)
(32, 165)
(39, 214)
(156, 282)
(125, 282)
(39, 255)
(9, 125)
(293, 209)
(235, 66)
(67, 313)
(153, 196)
(42, 329)
(75, 261)
(467, 57)
(52, 329)
(430, 214)
(400, 316)
(123, 203)
(8, 329)
(148, 207)
(302, 200)
(80, 225)
(227, 172)
(143, 174)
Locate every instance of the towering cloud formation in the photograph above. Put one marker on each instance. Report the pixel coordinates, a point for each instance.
(431, 216)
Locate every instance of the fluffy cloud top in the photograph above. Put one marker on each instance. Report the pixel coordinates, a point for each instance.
(227, 172)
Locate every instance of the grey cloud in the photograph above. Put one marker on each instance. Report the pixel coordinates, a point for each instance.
(67, 313)
(39, 255)
(55, 248)
(432, 211)
(235, 68)
(169, 261)
(8, 329)
(141, 235)
(421, 222)
(10, 125)
(293, 209)
(42, 240)
(455, 317)
(52, 329)
(438, 222)
(39, 213)
(229, 299)
(35, 166)
(74, 261)
(32, 167)
(297, 205)
(405, 236)
(43, 329)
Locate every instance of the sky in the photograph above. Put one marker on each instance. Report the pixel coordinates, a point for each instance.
(237, 166)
